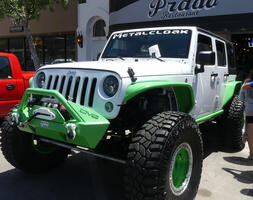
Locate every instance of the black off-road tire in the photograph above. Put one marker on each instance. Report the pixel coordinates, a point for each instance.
(18, 149)
(233, 126)
(150, 158)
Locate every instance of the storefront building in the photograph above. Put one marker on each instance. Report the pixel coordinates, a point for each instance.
(54, 37)
(229, 19)
(93, 26)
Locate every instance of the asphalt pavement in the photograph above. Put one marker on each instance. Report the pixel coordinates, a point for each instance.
(225, 176)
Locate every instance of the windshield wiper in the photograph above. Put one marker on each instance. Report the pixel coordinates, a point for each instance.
(120, 57)
(154, 56)
(111, 57)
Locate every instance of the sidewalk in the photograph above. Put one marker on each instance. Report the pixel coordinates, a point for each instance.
(227, 176)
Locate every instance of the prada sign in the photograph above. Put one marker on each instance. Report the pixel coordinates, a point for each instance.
(156, 10)
(180, 6)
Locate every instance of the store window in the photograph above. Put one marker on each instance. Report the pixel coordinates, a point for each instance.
(38, 42)
(5, 68)
(3, 45)
(39, 45)
(50, 49)
(82, 1)
(244, 49)
(16, 46)
(221, 54)
(54, 49)
(243, 44)
(70, 48)
(99, 29)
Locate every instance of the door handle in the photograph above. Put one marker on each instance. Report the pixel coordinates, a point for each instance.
(214, 75)
(10, 86)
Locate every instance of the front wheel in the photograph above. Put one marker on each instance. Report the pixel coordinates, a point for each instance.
(165, 159)
(26, 153)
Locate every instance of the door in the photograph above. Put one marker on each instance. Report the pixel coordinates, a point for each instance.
(205, 83)
(222, 66)
(8, 87)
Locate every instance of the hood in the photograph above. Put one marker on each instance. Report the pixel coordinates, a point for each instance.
(151, 67)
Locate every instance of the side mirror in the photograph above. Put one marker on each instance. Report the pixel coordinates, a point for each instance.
(204, 58)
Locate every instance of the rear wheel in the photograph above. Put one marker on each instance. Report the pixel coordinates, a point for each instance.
(165, 159)
(233, 125)
(26, 153)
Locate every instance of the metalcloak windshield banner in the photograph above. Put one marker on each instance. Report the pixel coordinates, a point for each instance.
(131, 11)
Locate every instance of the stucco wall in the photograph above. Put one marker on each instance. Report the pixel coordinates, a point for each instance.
(88, 13)
(59, 21)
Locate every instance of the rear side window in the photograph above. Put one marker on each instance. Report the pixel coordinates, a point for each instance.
(5, 68)
(221, 54)
(204, 44)
(231, 56)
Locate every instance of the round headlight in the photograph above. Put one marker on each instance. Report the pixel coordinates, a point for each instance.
(110, 85)
(41, 79)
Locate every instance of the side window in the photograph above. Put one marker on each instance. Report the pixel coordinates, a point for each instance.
(221, 54)
(5, 68)
(231, 56)
(204, 44)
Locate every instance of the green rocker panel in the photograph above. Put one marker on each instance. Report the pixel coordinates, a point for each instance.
(90, 125)
(232, 88)
(183, 91)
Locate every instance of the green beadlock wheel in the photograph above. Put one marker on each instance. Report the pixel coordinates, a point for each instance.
(165, 159)
(181, 169)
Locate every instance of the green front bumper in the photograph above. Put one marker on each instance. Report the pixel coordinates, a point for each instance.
(90, 126)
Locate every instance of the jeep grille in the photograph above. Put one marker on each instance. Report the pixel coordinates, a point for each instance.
(77, 89)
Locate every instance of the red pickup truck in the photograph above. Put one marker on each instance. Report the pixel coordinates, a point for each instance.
(13, 82)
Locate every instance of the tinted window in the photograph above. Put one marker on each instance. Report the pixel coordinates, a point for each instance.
(221, 54)
(204, 44)
(231, 55)
(5, 68)
(171, 43)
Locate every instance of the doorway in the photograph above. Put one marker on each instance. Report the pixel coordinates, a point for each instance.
(244, 54)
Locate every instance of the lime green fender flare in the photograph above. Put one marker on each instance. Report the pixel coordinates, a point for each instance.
(232, 89)
(30, 81)
(183, 92)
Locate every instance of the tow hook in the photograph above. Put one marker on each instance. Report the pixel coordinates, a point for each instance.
(71, 131)
(14, 119)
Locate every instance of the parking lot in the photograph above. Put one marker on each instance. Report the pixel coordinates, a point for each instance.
(224, 176)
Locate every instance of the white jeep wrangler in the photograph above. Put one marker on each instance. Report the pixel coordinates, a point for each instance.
(142, 101)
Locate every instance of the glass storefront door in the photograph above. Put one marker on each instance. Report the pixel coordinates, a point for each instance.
(244, 54)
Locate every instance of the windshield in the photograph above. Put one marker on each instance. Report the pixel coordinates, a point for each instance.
(172, 43)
